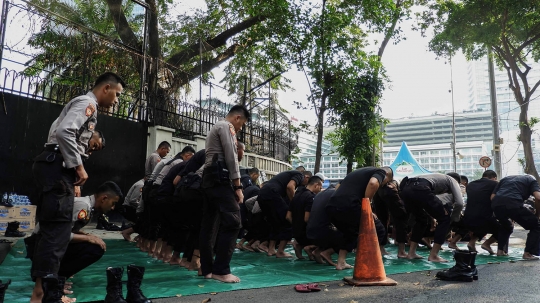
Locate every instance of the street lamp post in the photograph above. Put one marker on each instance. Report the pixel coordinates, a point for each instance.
(453, 117)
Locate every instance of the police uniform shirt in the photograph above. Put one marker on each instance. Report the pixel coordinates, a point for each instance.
(74, 128)
(353, 187)
(281, 180)
(134, 194)
(221, 140)
(165, 170)
(194, 163)
(516, 189)
(82, 213)
(151, 163)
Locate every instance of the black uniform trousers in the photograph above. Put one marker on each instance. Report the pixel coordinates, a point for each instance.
(419, 200)
(78, 256)
(396, 209)
(219, 228)
(347, 221)
(192, 200)
(54, 212)
(274, 207)
(523, 217)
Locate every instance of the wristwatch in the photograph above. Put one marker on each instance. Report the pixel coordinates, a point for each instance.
(238, 187)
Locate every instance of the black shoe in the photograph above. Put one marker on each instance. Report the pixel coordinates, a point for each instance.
(12, 230)
(113, 227)
(114, 285)
(134, 293)
(53, 290)
(3, 288)
(461, 271)
(6, 204)
(102, 222)
(473, 266)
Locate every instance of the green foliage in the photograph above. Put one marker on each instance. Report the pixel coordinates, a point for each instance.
(509, 29)
(356, 119)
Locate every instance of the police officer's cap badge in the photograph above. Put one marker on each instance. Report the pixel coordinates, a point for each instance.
(90, 109)
(82, 214)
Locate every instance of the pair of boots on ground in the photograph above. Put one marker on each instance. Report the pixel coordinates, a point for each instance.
(12, 230)
(53, 286)
(464, 270)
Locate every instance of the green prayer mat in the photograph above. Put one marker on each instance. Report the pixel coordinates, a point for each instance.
(163, 280)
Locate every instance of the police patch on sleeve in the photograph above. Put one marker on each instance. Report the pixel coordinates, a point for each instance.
(90, 109)
(82, 214)
(231, 128)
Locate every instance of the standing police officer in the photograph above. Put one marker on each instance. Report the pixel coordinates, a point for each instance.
(57, 170)
(221, 214)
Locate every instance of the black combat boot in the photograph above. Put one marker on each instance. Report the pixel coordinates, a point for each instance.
(461, 271)
(114, 285)
(52, 290)
(12, 230)
(473, 266)
(134, 293)
(3, 288)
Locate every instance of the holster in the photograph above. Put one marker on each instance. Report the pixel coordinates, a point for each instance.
(215, 174)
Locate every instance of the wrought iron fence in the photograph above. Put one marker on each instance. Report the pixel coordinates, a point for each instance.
(47, 56)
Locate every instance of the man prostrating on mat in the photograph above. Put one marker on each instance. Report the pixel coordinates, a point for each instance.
(83, 249)
(345, 206)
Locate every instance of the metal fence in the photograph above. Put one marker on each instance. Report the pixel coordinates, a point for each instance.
(49, 55)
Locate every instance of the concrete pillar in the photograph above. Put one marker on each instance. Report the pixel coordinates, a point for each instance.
(200, 142)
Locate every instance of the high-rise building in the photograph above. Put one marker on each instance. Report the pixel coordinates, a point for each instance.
(508, 110)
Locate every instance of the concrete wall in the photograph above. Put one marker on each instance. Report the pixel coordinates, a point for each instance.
(157, 134)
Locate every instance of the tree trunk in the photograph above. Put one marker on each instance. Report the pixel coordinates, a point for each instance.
(349, 166)
(525, 138)
(320, 128)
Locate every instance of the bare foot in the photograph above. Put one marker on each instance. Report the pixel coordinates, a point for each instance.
(175, 261)
(247, 247)
(230, 278)
(184, 263)
(414, 256)
(297, 250)
(309, 252)
(167, 259)
(255, 246)
(126, 233)
(402, 255)
(343, 266)
(271, 253)
(488, 249)
(240, 246)
(317, 256)
(328, 258)
(452, 245)
(194, 265)
(282, 254)
(471, 248)
(501, 253)
(68, 300)
(529, 256)
(436, 259)
(383, 251)
(264, 247)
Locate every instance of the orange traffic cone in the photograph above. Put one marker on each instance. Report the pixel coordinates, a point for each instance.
(368, 266)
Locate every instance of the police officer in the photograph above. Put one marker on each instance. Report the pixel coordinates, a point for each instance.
(223, 191)
(422, 195)
(83, 249)
(507, 204)
(58, 168)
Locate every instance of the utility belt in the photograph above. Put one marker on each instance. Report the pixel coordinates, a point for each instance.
(52, 148)
(215, 174)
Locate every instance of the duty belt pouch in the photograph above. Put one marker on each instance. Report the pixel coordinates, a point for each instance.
(192, 181)
(215, 174)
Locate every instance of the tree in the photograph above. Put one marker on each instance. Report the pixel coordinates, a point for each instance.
(510, 29)
(181, 46)
(357, 121)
